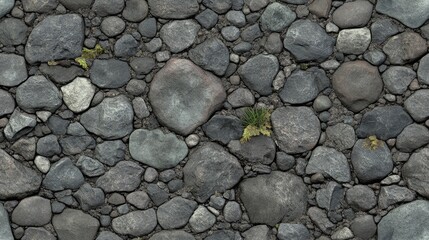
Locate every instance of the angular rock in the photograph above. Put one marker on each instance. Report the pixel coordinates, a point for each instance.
(211, 169)
(72, 145)
(258, 73)
(175, 213)
(361, 198)
(157, 149)
(390, 195)
(39, 6)
(412, 137)
(8, 103)
(13, 70)
(250, 33)
(63, 175)
(172, 235)
(48, 146)
(135, 10)
(5, 230)
(297, 129)
(74, 224)
(259, 149)
(126, 46)
(13, 31)
(89, 197)
(111, 119)
(110, 73)
(169, 9)
(411, 14)
(330, 197)
(352, 14)
(320, 8)
(320, 219)
(180, 34)
(415, 172)
(241, 97)
(78, 94)
(201, 220)
(5, 7)
(207, 18)
(329, 162)
(259, 232)
(20, 123)
(382, 29)
(90, 167)
(405, 47)
(423, 70)
(110, 152)
(288, 231)
(108, 7)
(139, 199)
(211, 55)
(353, 41)
(340, 136)
(32, 211)
(272, 198)
(55, 38)
(397, 78)
(26, 147)
(223, 128)
(183, 96)
(416, 107)
(60, 74)
(302, 86)
(307, 41)
(384, 122)
(124, 177)
(276, 17)
(136, 223)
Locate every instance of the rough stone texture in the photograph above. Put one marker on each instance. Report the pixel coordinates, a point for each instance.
(13, 70)
(330, 162)
(37, 233)
(411, 14)
(353, 41)
(63, 175)
(110, 152)
(416, 107)
(361, 198)
(258, 73)
(19, 124)
(175, 213)
(290, 137)
(272, 198)
(123, 177)
(178, 108)
(303, 86)
(201, 220)
(74, 224)
(289, 231)
(364, 226)
(340, 136)
(108, 7)
(172, 235)
(8, 103)
(39, 6)
(405, 47)
(412, 137)
(397, 79)
(169, 9)
(5, 231)
(223, 128)
(32, 211)
(390, 195)
(179, 34)
(423, 70)
(78, 94)
(277, 17)
(259, 149)
(415, 172)
(136, 223)
(110, 73)
(211, 55)
(6, 6)
(13, 31)
(352, 14)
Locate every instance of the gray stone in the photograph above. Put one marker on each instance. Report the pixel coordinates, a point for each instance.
(135, 10)
(211, 169)
(175, 213)
(157, 195)
(384, 122)
(241, 97)
(223, 128)
(108, 7)
(382, 29)
(224, 235)
(16, 180)
(63, 175)
(232, 211)
(26, 147)
(295, 1)
(32, 211)
(363, 226)
(307, 41)
(322, 103)
(276, 17)
(353, 41)
(258, 73)
(6, 6)
(13, 70)
(60, 74)
(320, 8)
(207, 18)
(157, 149)
(39, 6)
(412, 137)
(5, 230)
(13, 31)
(423, 70)
(251, 33)
(8, 103)
(301, 87)
(211, 55)
(259, 232)
(174, 105)
(236, 18)
(201, 220)
(256, 5)
(330, 197)
(19, 124)
(48, 146)
(259, 149)
(416, 107)
(329, 162)
(140, 108)
(73, 145)
(112, 26)
(143, 65)
(415, 172)
(110, 73)
(136, 223)
(272, 198)
(139, 199)
(397, 79)
(74, 224)
(172, 235)
(408, 221)
(55, 38)
(340, 136)
(288, 231)
(180, 34)
(352, 14)
(76, 4)
(284, 161)
(105, 235)
(361, 198)
(390, 195)
(274, 43)
(219, 6)
(37, 233)
(111, 119)
(78, 94)
(297, 129)
(230, 33)
(375, 57)
(169, 9)
(110, 152)
(357, 84)
(405, 47)
(90, 167)
(411, 14)
(126, 46)
(369, 164)
(89, 197)
(320, 219)
(147, 28)
(124, 177)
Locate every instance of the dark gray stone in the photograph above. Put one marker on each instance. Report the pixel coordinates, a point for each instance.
(60, 74)
(32, 211)
(175, 213)
(63, 175)
(89, 197)
(26, 147)
(423, 70)
(274, 44)
(110, 73)
(398, 78)
(361, 198)
(54, 38)
(37, 233)
(110, 152)
(320, 220)
(169, 9)
(223, 235)
(108, 7)
(13, 31)
(90, 167)
(411, 14)
(219, 6)
(143, 65)
(416, 107)
(259, 149)
(147, 28)
(340, 136)
(284, 161)
(390, 195)
(211, 55)
(5, 7)
(8, 103)
(39, 6)
(172, 235)
(5, 230)
(58, 125)
(405, 48)
(139, 199)
(124, 177)
(382, 29)
(180, 34)
(251, 33)
(329, 161)
(19, 124)
(412, 137)
(277, 17)
(207, 18)
(258, 73)
(415, 173)
(330, 197)
(126, 46)
(48, 146)
(74, 224)
(259, 232)
(13, 70)
(364, 226)
(105, 235)
(301, 87)
(135, 10)
(288, 231)
(223, 128)
(352, 14)
(157, 195)
(73, 145)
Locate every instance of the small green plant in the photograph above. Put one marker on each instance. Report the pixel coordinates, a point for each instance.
(89, 54)
(256, 121)
(372, 142)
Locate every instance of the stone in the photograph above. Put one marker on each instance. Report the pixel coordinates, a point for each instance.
(32, 211)
(274, 197)
(13, 70)
(108, 7)
(363, 226)
(125, 176)
(223, 128)
(157, 195)
(250, 33)
(274, 44)
(301, 87)
(232, 211)
(423, 70)
(201, 220)
(13, 31)
(412, 137)
(172, 235)
(236, 18)
(78, 94)
(340, 136)
(258, 73)
(135, 10)
(207, 18)
(415, 106)
(223, 235)
(320, 8)
(105, 235)
(90, 167)
(8, 103)
(177, 108)
(20, 123)
(404, 48)
(147, 28)
(72, 145)
(175, 213)
(39, 6)
(414, 172)
(371, 165)
(219, 6)
(48, 146)
(89, 197)
(143, 65)
(361, 198)
(126, 46)
(330, 197)
(26, 147)
(17, 180)
(329, 162)
(384, 122)
(288, 231)
(390, 195)
(259, 149)
(110, 73)
(397, 78)
(139, 199)
(6, 6)
(320, 219)
(412, 14)
(63, 175)
(178, 35)
(211, 169)
(276, 17)
(375, 57)
(382, 29)
(297, 129)
(211, 55)
(37, 233)
(136, 223)
(407, 221)
(357, 84)
(60, 74)
(169, 9)
(112, 26)
(343, 233)
(110, 152)
(353, 41)
(307, 41)
(42, 164)
(76, 4)
(111, 119)
(259, 232)
(74, 224)
(352, 14)
(156, 149)
(140, 108)
(5, 230)
(55, 38)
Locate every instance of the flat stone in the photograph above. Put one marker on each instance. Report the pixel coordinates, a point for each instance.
(55, 38)
(288, 231)
(63, 175)
(108, 7)
(361, 198)
(340, 136)
(353, 41)
(415, 172)
(20, 123)
(405, 47)
(78, 94)
(357, 84)
(156, 149)
(135, 10)
(411, 14)
(258, 73)
(111, 119)
(136, 223)
(110, 73)
(60, 74)
(276, 17)
(13, 31)
(5, 230)
(291, 138)
(74, 224)
(125, 176)
(390, 195)
(302, 86)
(423, 70)
(211, 169)
(32, 211)
(13, 70)
(8, 103)
(90, 167)
(275, 197)
(259, 149)
(180, 34)
(39, 6)
(330, 162)
(412, 137)
(16, 180)
(223, 128)
(169, 9)
(6, 6)
(416, 107)
(211, 55)
(175, 213)
(173, 102)
(172, 235)
(352, 14)
(110, 152)
(397, 79)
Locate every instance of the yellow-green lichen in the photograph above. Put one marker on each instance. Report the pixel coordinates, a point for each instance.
(88, 54)
(372, 142)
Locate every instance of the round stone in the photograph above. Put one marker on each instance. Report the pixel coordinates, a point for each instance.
(78, 94)
(352, 14)
(112, 26)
